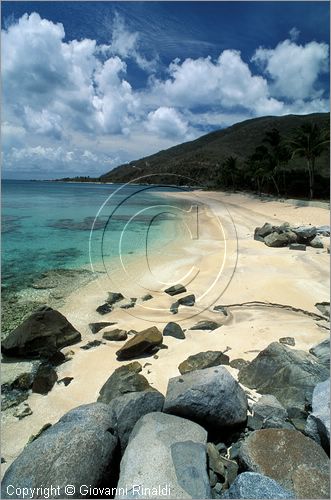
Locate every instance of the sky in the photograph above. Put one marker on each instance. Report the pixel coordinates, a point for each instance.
(87, 86)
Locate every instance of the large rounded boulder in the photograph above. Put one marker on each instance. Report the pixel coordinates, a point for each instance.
(210, 397)
(78, 450)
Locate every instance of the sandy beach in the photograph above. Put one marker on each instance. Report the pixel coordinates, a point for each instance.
(223, 265)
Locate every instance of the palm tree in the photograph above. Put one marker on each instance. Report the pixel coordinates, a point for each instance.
(309, 142)
(230, 169)
(279, 156)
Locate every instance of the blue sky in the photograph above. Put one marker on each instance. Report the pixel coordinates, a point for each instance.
(90, 85)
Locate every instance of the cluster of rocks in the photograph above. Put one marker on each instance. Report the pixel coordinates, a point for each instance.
(295, 237)
(206, 438)
(117, 300)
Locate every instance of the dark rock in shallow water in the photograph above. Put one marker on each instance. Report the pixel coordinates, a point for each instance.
(203, 360)
(125, 379)
(23, 382)
(211, 397)
(318, 422)
(205, 325)
(288, 341)
(23, 412)
(104, 309)
(116, 334)
(78, 450)
(288, 374)
(91, 344)
(44, 331)
(175, 290)
(44, 379)
(322, 352)
(129, 408)
(250, 485)
(297, 246)
(96, 327)
(114, 297)
(142, 343)
(173, 330)
(165, 452)
(296, 462)
(12, 398)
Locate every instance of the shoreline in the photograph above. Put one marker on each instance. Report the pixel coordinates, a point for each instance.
(278, 275)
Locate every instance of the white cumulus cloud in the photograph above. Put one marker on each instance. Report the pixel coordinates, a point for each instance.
(294, 69)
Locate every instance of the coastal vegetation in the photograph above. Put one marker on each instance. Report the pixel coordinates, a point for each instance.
(281, 156)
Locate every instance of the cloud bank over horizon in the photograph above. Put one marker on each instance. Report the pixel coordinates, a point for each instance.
(72, 106)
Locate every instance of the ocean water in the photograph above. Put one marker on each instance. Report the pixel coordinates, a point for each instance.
(52, 225)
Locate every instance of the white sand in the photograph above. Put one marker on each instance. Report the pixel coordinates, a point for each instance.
(221, 272)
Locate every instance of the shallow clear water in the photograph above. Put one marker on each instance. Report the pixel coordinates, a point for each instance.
(47, 225)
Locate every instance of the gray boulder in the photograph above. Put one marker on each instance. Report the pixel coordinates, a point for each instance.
(316, 242)
(323, 230)
(175, 290)
(261, 232)
(305, 233)
(129, 408)
(116, 334)
(125, 379)
(288, 374)
(45, 331)
(203, 360)
(295, 461)
(276, 240)
(269, 406)
(318, 422)
(210, 397)
(173, 330)
(166, 455)
(206, 325)
(142, 343)
(322, 352)
(297, 246)
(253, 485)
(270, 413)
(78, 450)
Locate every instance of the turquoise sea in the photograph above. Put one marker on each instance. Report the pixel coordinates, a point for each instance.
(47, 225)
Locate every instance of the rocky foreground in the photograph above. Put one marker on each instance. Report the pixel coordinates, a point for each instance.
(208, 437)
